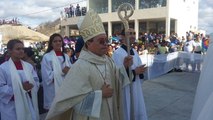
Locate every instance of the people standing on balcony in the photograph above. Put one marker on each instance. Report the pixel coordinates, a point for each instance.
(72, 10)
(137, 70)
(83, 11)
(54, 66)
(78, 10)
(67, 12)
(18, 86)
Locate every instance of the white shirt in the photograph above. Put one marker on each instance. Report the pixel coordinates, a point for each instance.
(188, 46)
(198, 46)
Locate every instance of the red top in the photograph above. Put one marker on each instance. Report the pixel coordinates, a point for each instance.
(58, 53)
(18, 65)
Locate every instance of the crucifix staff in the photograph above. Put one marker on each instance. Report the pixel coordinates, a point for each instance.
(125, 7)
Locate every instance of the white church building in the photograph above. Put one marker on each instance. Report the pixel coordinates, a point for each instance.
(156, 16)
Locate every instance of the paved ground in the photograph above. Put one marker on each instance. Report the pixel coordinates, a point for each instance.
(171, 96)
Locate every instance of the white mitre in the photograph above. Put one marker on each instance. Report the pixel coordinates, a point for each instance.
(90, 25)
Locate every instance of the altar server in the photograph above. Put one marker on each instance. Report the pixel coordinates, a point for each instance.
(18, 86)
(54, 66)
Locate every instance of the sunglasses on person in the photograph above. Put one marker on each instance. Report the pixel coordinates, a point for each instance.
(104, 42)
(101, 41)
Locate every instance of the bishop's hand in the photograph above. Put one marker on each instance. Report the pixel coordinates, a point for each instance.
(107, 91)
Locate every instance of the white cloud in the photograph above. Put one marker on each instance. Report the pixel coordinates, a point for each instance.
(205, 15)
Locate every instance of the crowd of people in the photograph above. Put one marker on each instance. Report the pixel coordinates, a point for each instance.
(153, 43)
(72, 11)
(13, 21)
(95, 72)
(158, 44)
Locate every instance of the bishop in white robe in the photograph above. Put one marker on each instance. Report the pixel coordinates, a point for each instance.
(80, 95)
(91, 90)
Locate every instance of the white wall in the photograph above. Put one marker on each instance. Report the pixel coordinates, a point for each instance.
(186, 14)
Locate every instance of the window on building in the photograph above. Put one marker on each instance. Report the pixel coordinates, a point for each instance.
(142, 27)
(144, 4)
(116, 3)
(100, 6)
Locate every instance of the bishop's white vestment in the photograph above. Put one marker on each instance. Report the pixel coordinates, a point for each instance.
(80, 95)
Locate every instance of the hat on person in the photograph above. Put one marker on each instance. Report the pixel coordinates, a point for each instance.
(90, 25)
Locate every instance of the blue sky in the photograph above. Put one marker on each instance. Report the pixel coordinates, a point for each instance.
(205, 15)
(34, 12)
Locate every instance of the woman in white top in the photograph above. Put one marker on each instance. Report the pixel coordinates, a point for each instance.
(18, 86)
(198, 45)
(198, 49)
(54, 66)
